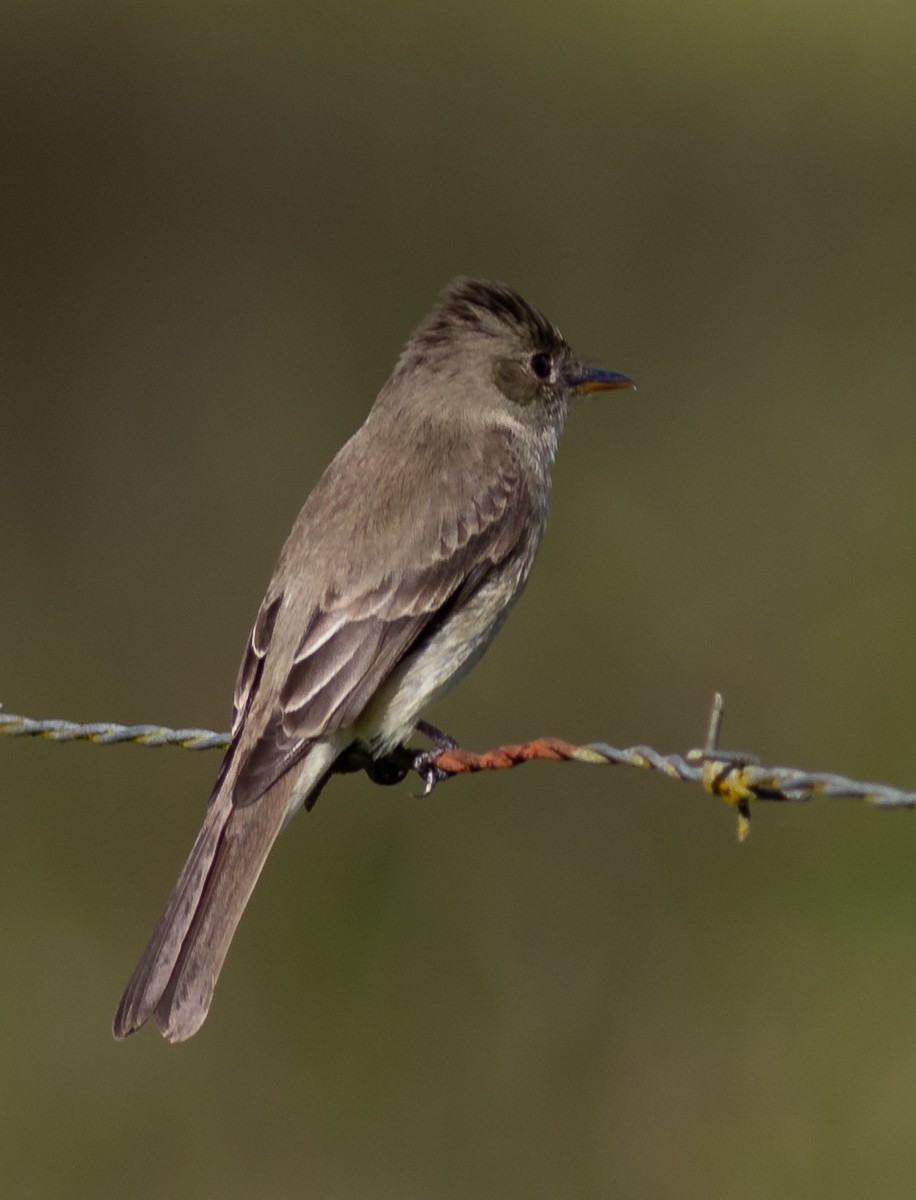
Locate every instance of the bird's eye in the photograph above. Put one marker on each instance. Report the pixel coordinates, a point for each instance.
(541, 365)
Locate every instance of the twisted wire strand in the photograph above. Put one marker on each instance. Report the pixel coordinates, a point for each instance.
(107, 733)
(735, 777)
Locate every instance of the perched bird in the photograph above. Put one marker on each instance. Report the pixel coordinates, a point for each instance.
(400, 569)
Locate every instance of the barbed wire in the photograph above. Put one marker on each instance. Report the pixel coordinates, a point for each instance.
(734, 776)
(107, 733)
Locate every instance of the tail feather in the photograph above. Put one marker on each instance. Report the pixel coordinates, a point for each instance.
(177, 972)
(153, 971)
(247, 838)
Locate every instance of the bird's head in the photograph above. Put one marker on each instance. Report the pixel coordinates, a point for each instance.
(485, 343)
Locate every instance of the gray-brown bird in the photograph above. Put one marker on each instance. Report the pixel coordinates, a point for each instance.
(400, 569)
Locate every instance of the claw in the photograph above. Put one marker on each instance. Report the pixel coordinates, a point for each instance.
(424, 762)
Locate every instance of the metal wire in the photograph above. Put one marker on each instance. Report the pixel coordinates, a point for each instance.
(737, 778)
(107, 733)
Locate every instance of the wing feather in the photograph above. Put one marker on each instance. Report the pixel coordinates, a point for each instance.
(366, 623)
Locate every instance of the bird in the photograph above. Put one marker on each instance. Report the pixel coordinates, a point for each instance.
(400, 569)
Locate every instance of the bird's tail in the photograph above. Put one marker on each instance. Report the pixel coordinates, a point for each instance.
(177, 972)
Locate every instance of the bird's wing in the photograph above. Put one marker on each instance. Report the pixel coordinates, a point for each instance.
(354, 638)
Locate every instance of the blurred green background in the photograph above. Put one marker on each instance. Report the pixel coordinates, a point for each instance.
(220, 222)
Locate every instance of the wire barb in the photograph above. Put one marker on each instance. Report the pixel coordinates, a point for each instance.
(736, 777)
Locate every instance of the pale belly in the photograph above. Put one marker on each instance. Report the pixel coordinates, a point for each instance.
(424, 676)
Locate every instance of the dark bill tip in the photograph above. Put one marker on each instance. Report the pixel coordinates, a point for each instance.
(595, 379)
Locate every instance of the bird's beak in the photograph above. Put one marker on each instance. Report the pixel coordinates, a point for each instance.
(581, 378)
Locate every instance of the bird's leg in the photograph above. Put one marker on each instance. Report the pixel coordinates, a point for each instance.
(396, 765)
(440, 739)
(424, 761)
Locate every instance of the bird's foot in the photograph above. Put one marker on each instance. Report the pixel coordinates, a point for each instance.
(391, 769)
(395, 766)
(424, 761)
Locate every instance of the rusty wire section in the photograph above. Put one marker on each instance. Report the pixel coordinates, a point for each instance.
(737, 778)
